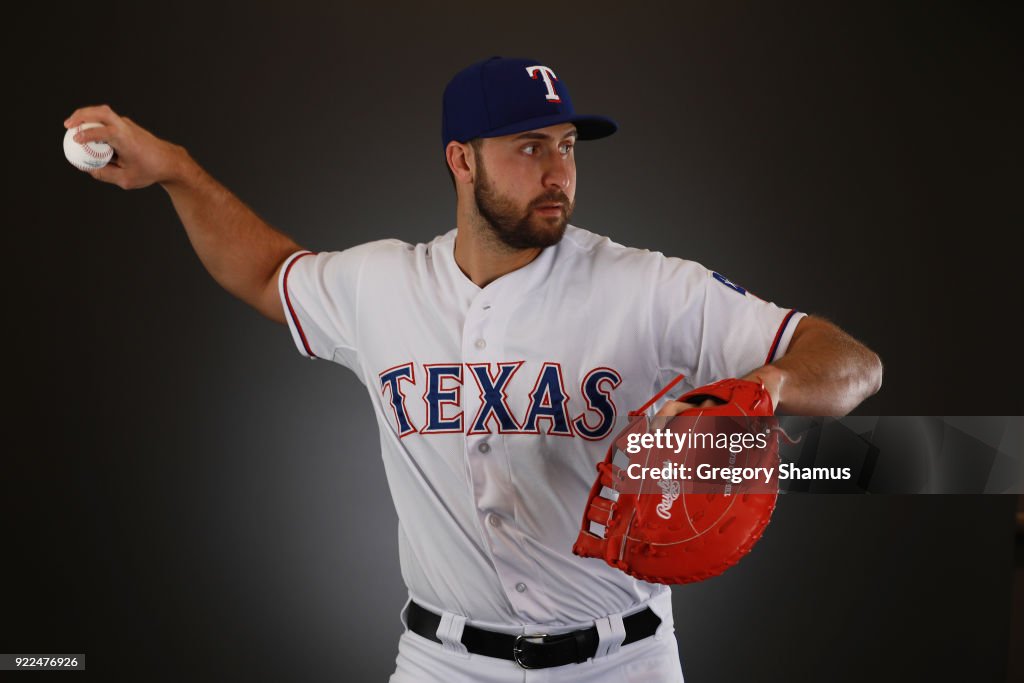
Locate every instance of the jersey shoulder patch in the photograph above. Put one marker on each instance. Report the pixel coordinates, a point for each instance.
(728, 283)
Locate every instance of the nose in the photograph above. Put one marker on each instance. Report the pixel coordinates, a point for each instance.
(559, 173)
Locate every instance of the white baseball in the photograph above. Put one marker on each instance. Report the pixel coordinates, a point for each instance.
(88, 156)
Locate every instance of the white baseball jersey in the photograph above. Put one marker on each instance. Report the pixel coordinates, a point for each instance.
(495, 404)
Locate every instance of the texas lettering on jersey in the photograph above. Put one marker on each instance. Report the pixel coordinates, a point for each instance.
(439, 387)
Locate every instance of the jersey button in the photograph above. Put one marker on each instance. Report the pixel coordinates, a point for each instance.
(494, 520)
(484, 447)
(481, 344)
(521, 587)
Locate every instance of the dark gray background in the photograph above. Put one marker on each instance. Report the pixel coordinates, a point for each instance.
(184, 496)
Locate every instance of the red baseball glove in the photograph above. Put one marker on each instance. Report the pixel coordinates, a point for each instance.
(692, 527)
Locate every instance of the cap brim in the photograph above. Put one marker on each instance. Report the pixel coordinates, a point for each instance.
(588, 127)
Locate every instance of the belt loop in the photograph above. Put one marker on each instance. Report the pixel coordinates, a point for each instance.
(449, 631)
(661, 604)
(610, 634)
(403, 616)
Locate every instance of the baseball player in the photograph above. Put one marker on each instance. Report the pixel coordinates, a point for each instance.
(498, 357)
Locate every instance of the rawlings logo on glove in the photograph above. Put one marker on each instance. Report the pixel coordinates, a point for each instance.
(700, 523)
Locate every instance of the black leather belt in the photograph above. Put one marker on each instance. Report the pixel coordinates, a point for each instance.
(537, 651)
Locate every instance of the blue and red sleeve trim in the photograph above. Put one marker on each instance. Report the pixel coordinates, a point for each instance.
(778, 336)
(289, 309)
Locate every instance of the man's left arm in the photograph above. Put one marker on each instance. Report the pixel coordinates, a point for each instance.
(824, 371)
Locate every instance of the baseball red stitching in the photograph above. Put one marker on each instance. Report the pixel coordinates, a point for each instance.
(89, 150)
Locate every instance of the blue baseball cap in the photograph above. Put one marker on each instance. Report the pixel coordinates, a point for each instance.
(504, 95)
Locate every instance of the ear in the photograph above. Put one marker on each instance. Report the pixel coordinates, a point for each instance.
(461, 161)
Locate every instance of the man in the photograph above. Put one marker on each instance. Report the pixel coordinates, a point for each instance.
(497, 358)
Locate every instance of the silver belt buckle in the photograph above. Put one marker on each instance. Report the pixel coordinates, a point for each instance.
(517, 648)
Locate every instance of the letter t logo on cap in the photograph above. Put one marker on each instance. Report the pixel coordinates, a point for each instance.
(547, 74)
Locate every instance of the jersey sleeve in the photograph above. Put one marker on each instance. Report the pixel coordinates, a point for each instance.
(319, 293)
(711, 328)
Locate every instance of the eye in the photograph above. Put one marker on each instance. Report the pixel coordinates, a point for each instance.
(567, 147)
(530, 149)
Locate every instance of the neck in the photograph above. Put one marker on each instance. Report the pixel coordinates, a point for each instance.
(481, 255)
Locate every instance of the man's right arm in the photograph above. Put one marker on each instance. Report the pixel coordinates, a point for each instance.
(238, 248)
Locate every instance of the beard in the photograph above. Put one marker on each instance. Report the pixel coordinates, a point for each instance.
(520, 229)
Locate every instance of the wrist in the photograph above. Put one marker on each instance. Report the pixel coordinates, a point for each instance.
(773, 379)
(180, 168)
